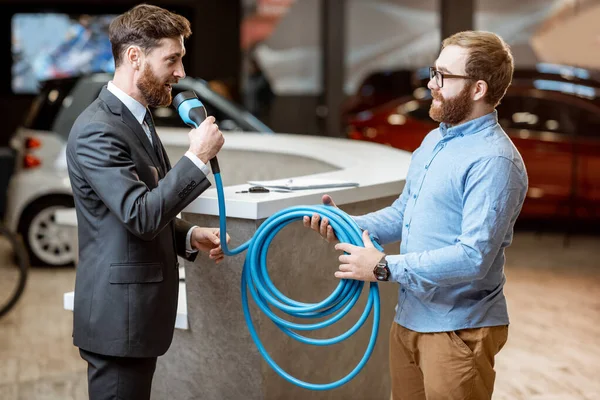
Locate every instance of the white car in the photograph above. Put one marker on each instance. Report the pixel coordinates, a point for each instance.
(40, 184)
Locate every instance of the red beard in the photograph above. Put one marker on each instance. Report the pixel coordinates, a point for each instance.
(153, 89)
(452, 111)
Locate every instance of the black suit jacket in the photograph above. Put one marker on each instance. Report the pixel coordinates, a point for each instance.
(126, 201)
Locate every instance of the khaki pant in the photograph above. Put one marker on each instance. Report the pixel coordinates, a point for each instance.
(445, 365)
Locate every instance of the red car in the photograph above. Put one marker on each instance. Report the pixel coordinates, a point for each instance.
(555, 125)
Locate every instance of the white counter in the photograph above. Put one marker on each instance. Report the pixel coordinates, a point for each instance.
(379, 170)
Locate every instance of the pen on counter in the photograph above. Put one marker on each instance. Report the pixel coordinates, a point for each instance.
(262, 189)
(255, 189)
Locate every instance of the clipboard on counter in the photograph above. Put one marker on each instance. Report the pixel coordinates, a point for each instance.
(303, 183)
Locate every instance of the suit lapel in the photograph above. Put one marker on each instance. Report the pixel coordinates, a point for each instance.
(116, 107)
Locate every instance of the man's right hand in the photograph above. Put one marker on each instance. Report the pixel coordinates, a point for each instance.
(324, 229)
(206, 140)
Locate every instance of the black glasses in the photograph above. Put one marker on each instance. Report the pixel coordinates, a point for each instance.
(439, 76)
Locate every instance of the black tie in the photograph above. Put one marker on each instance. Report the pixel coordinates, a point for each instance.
(150, 123)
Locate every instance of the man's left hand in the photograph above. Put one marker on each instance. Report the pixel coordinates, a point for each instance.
(208, 241)
(359, 263)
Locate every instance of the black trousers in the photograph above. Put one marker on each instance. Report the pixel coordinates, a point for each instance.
(118, 378)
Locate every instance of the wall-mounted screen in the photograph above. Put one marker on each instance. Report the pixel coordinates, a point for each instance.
(53, 45)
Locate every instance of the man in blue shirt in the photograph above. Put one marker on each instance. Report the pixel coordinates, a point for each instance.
(464, 190)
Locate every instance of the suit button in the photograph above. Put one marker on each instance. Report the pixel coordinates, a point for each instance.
(193, 183)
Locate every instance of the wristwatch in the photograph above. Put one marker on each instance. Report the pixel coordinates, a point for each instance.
(381, 270)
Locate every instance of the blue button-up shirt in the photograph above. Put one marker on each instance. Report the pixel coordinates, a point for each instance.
(464, 190)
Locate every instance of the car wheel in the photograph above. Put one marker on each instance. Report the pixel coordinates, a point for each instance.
(48, 243)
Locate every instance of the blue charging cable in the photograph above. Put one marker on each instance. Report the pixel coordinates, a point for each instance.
(255, 276)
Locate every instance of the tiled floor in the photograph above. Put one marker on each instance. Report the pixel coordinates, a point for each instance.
(37, 358)
(553, 351)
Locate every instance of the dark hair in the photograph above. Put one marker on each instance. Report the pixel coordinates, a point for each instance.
(144, 26)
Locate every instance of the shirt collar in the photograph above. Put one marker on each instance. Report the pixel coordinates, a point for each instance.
(470, 127)
(137, 109)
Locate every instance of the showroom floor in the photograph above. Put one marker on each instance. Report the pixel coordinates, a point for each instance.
(553, 351)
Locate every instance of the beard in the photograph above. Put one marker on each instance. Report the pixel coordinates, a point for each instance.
(153, 89)
(452, 111)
